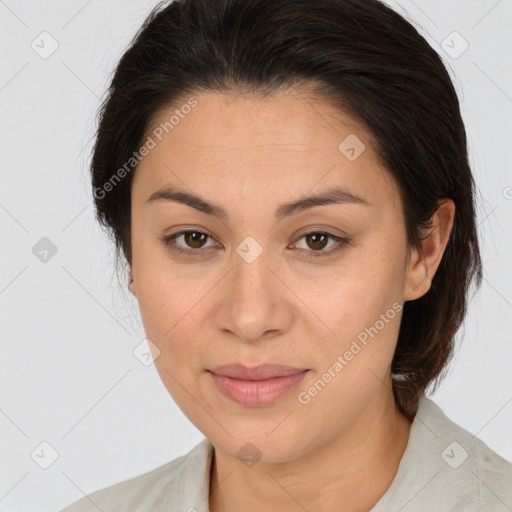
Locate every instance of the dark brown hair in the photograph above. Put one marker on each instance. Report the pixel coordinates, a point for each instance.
(364, 58)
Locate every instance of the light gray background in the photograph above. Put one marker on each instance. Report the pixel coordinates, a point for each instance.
(68, 374)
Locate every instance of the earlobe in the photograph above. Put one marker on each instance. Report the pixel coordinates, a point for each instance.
(423, 264)
(417, 281)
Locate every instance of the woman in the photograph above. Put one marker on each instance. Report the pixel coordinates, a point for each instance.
(288, 182)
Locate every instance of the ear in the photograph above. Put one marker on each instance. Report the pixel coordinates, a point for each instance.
(131, 285)
(422, 265)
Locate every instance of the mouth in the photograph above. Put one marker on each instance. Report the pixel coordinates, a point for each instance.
(257, 386)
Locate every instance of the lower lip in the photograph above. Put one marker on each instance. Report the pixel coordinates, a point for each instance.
(256, 393)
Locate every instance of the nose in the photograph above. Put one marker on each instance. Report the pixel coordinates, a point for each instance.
(254, 301)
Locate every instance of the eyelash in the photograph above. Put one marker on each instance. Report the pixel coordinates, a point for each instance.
(168, 241)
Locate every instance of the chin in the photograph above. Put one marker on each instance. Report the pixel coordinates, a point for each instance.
(265, 442)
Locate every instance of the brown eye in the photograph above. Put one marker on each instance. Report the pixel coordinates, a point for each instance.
(194, 243)
(317, 241)
(195, 239)
(190, 243)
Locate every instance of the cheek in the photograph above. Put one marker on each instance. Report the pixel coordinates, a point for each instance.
(364, 311)
(160, 289)
(171, 303)
(360, 292)
(347, 298)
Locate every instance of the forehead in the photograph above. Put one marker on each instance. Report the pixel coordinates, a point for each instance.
(242, 120)
(290, 143)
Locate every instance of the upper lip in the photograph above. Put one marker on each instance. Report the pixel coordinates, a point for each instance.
(262, 372)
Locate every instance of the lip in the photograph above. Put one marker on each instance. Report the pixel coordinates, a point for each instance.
(257, 386)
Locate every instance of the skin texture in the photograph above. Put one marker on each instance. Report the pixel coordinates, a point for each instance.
(249, 156)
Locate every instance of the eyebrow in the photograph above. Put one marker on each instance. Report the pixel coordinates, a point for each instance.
(330, 196)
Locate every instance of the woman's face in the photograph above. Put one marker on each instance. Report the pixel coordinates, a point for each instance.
(254, 287)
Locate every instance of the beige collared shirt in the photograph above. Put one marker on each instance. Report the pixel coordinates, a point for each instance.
(443, 469)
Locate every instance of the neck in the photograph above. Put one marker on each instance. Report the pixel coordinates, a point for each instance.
(355, 469)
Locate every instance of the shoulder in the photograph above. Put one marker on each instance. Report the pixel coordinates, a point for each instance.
(465, 450)
(167, 486)
(447, 467)
(472, 468)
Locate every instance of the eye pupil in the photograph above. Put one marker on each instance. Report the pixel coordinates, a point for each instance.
(193, 238)
(319, 240)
